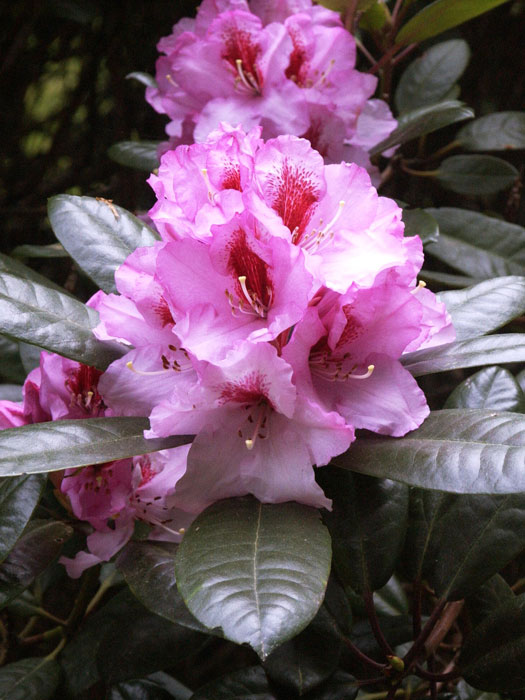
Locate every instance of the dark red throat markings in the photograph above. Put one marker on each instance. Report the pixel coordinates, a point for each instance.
(240, 46)
(243, 262)
(294, 196)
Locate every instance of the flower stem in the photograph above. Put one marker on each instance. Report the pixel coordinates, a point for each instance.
(366, 660)
(374, 623)
(419, 644)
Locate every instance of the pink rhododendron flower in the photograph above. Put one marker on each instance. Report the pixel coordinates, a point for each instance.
(111, 497)
(271, 328)
(286, 66)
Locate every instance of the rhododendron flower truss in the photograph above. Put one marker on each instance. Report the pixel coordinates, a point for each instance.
(272, 334)
(287, 66)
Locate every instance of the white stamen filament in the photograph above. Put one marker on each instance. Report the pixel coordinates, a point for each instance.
(211, 195)
(367, 374)
(246, 79)
(314, 238)
(252, 299)
(421, 285)
(260, 423)
(129, 365)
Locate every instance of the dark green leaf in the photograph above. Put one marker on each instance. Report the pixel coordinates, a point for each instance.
(308, 659)
(10, 392)
(486, 306)
(11, 367)
(473, 352)
(424, 121)
(446, 280)
(419, 223)
(478, 245)
(143, 643)
(340, 686)
(55, 250)
(98, 235)
(471, 538)
(489, 597)
(149, 570)
(500, 131)
(258, 571)
(476, 175)
(141, 155)
(246, 684)
(29, 679)
(492, 387)
(423, 513)
(144, 78)
(428, 79)
(122, 612)
(441, 15)
(367, 524)
(15, 267)
(391, 599)
(52, 320)
(158, 686)
(493, 655)
(458, 450)
(31, 555)
(18, 499)
(45, 447)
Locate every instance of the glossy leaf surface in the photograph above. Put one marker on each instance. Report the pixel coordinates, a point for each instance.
(53, 320)
(441, 15)
(493, 387)
(257, 571)
(29, 679)
(457, 450)
(44, 447)
(424, 121)
(478, 245)
(476, 175)
(486, 306)
(500, 131)
(97, 234)
(141, 155)
(428, 79)
(18, 499)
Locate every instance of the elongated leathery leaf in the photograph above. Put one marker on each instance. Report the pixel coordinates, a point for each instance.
(98, 235)
(367, 524)
(149, 570)
(157, 686)
(258, 571)
(418, 222)
(424, 121)
(476, 174)
(45, 447)
(478, 245)
(471, 538)
(18, 499)
(500, 131)
(485, 307)
(29, 679)
(247, 683)
(473, 352)
(493, 387)
(53, 320)
(15, 267)
(493, 655)
(31, 555)
(457, 450)
(429, 78)
(141, 155)
(440, 16)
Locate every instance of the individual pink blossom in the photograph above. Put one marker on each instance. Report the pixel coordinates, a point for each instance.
(255, 434)
(286, 66)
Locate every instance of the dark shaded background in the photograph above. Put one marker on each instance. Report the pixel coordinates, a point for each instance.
(65, 98)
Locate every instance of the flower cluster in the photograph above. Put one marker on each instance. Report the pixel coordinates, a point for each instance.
(110, 496)
(270, 319)
(285, 65)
